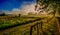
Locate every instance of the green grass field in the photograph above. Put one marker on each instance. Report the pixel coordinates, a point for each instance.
(22, 25)
(14, 21)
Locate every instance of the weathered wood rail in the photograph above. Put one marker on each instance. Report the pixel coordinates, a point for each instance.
(38, 30)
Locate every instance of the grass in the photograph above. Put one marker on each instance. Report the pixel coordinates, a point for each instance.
(14, 21)
(48, 26)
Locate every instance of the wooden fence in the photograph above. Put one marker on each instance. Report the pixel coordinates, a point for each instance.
(36, 29)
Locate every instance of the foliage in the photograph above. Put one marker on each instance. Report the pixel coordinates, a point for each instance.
(54, 3)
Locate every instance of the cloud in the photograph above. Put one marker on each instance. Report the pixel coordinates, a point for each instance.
(28, 8)
(25, 9)
(13, 11)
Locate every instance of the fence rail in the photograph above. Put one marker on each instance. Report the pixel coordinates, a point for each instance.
(37, 28)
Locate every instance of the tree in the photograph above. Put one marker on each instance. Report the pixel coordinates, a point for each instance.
(19, 15)
(3, 14)
(54, 3)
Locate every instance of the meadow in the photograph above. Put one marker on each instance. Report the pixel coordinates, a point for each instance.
(6, 21)
(27, 25)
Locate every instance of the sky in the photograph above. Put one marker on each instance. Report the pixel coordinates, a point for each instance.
(11, 4)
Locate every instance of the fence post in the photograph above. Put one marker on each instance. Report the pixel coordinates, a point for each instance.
(36, 26)
(41, 29)
(31, 30)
